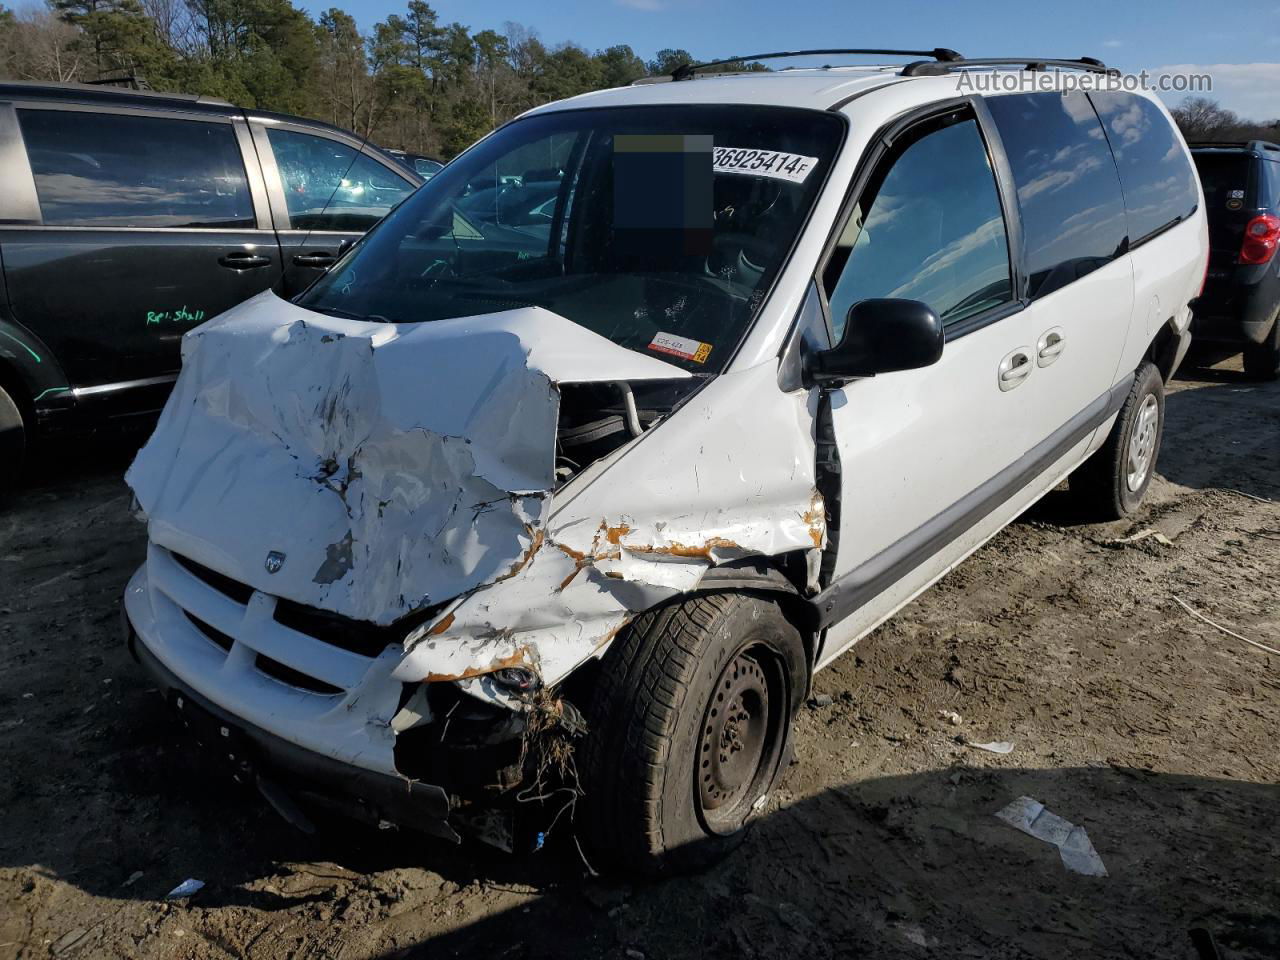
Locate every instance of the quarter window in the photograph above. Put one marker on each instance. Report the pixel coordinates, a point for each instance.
(1159, 184)
(931, 229)
(1068, 192)
(328, 186)
(118, 170)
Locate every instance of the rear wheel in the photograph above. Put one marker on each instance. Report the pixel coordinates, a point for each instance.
(688, 730)
(13, 440)
(1112, 482)
(1262, 360)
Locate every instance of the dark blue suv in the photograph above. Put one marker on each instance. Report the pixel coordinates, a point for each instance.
(1240, 303)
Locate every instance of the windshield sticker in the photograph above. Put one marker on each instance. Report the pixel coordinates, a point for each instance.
(763, 163)
(681, 347)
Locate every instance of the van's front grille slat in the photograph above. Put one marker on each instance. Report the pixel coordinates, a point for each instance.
(237, 591)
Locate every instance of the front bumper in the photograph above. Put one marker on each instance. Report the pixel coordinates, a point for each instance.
(276, 765)
(333, 744)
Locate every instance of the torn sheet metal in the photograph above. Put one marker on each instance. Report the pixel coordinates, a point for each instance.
(393, 466)
(639, 527)
(1074, 846)
(380, 469)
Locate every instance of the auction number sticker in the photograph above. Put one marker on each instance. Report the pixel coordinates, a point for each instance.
(681, 347)
(763, 163)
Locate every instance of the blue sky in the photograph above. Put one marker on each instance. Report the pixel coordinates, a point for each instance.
(1129, 35)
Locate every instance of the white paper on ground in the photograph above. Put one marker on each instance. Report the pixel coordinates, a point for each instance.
(997, 746)
(1029, 815)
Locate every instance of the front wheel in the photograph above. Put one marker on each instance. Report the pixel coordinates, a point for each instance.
(1112, 482)
(688, 729)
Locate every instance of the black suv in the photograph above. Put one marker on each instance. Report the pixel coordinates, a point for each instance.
(1241, 298)
(126, 218)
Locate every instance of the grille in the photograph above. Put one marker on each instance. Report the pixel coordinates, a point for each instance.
(295, 678)
(212, 632)
(237, 591)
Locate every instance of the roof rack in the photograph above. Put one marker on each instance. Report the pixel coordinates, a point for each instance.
(1259, 145)
(935, 68)
(686, 70)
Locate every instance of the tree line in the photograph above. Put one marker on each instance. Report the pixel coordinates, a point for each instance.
(1203, 119)
(411, 82)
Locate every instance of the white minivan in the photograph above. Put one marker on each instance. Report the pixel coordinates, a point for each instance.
(563, 482)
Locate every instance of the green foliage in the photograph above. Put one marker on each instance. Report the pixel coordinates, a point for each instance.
(668, 59)
(410, 82)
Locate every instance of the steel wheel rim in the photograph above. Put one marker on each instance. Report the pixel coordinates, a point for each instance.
(738, 743)
(1142, 443)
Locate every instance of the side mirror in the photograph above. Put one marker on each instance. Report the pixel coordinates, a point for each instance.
(880, 336)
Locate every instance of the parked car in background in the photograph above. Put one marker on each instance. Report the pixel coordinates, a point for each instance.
(424, 166)
(127, 218)
(1240, 303)
(565, 480)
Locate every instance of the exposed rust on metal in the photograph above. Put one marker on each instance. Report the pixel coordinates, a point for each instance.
(615, 534)
(815, 519)
(687, 550)
(443, 624)
(535, 544)
(518, 658)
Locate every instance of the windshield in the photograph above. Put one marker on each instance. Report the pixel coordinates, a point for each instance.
(659, 228)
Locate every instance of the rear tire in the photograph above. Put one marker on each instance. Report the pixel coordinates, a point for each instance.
(1262, 360)
(688, 728)
(13, 440)
(1112, 482)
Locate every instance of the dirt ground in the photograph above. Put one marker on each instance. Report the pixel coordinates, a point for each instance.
(1155, 732)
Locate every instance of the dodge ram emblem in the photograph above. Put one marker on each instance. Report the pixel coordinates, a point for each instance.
(275, 560)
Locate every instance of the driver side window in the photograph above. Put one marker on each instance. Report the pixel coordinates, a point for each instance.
(928, 227)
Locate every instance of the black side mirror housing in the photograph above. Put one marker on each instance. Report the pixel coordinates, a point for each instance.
(881, 336)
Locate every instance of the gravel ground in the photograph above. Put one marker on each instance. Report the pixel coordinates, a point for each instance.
(1154, 731)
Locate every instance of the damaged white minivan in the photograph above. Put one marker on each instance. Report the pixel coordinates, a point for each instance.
(546, 502)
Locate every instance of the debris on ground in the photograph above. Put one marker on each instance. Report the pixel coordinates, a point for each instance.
(1030, 816)
(995, 746)
(1141, 535)
(951, 717)
(187, 888)
(1231, 633)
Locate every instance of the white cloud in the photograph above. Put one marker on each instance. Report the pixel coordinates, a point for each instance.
(1247, 88)
(648, 6)
(1113, 43)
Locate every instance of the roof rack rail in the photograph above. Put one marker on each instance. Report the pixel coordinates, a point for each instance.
(129, 81)
(935, 68)
(686, 70)
(1260, 146)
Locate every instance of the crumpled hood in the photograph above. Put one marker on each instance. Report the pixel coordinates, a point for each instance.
(393, 466)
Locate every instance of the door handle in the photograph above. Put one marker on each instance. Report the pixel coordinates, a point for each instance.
(1015, 368)
(318, 259)
(244, 261)
(1050, 346)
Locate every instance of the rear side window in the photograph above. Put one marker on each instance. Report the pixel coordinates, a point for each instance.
(1159, 183)
(327, 186)
(1068, 192)
(1273, 179)
(929, 227)
(1227, 179)
(116, 170)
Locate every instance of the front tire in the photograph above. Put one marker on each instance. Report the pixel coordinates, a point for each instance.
(1110, 485)
(1262, 360)
(688, 728)
(13, 440)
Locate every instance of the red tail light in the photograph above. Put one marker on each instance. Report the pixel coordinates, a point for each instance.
(1261, 237)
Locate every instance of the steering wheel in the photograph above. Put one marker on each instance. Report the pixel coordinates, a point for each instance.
(735, 254)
